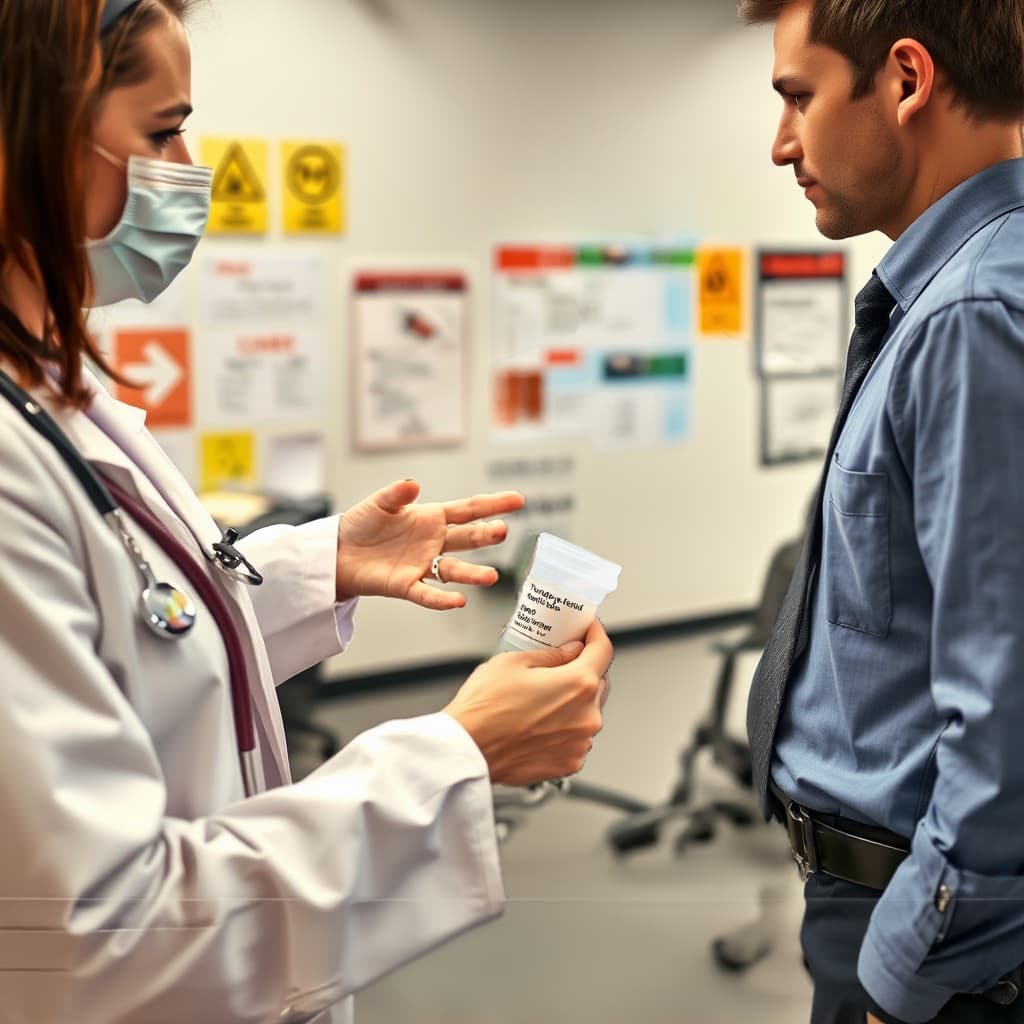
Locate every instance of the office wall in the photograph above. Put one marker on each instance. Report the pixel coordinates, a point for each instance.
(471, 122)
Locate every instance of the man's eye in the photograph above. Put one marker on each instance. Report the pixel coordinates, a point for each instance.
(799, 100)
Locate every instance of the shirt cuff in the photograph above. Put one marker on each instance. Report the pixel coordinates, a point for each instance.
(939, 931)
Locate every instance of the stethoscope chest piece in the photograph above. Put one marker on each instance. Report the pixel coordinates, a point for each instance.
(168, 611)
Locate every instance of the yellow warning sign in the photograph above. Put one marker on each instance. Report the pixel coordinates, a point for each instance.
(227, 459)
(314, 187)
(239, 205)
(721, 290)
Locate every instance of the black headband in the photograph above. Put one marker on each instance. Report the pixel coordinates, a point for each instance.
(112, 10)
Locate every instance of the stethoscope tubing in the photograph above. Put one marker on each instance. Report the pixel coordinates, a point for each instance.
(109, 498)
(211, 596)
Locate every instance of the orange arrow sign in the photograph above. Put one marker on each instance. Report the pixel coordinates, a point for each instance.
(159, 361)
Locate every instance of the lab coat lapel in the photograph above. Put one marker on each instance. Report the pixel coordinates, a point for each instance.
(125, 426)
(112, 436)
(108, 436)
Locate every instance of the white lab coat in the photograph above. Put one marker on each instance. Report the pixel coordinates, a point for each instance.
(137, 885)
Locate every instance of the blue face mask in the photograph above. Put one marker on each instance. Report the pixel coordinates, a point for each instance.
(164, 217)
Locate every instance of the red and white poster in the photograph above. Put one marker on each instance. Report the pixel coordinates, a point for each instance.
(801, 335)
(409, 356)
(264, 375)
(802, 312)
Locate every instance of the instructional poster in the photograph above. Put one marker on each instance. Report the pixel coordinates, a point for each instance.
(594, 342)
(264, 356)
(264, 375)
(551, 486)
(798, 413)
(274, 286)
(802, 301)
(801, 338)
(409, 356)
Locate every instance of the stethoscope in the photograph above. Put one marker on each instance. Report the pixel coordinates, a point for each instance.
(166, 609)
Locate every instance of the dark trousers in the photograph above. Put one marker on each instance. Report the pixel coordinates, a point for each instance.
(836, 918)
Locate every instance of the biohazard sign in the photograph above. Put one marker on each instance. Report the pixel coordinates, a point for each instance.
(314, 188)
(227, 458)
(158, 360)
(239, 193)
(721, 290)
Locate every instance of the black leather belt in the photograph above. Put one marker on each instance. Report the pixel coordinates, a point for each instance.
(824, 843)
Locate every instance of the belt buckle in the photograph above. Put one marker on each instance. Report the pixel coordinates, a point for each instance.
(800, 828)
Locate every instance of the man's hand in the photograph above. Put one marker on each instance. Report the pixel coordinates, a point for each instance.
(387, 543)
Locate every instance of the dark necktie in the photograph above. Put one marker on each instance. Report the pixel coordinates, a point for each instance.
(873, 307)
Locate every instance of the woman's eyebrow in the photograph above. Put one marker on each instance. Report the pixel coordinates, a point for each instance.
(181, 110)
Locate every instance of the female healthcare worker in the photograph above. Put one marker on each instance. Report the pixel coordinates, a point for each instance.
(139, 884)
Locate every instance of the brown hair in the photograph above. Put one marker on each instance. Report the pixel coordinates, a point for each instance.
(978, 44)
(53, 72)
(124, 61)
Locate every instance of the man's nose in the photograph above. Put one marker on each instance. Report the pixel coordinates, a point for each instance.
(786, 148)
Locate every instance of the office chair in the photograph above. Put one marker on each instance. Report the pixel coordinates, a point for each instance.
(508, 801)
(643, 822)
(733, 755)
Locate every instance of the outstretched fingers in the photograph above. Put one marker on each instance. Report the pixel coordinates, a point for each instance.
(482, 506)
(475, 536)
(396, 496)
(434, 599)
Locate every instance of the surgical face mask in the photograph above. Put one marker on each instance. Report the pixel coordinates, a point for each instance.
(164, 217)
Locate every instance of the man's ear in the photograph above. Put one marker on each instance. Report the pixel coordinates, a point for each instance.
(909, 79)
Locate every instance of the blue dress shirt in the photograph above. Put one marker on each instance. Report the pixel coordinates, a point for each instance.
(907, 710)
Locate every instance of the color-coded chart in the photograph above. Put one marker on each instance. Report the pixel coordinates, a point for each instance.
(594, 341)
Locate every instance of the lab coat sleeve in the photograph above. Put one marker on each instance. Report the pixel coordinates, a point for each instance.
(275, 908)
(300, 621)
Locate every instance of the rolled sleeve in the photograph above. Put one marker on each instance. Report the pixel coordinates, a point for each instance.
(299, 619)
(940, 931)
(952, 919)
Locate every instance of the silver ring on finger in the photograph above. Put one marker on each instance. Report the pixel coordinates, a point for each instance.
(435, 569)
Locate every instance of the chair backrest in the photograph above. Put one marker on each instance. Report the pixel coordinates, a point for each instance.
(776, 582)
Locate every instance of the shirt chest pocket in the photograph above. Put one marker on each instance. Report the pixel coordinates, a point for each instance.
(856, 577)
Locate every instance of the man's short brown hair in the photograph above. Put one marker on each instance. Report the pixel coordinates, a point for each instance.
(977, 44)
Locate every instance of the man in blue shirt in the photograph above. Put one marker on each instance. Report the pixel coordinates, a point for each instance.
(894, 744)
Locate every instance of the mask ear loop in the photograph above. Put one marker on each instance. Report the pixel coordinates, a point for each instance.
(121, 165)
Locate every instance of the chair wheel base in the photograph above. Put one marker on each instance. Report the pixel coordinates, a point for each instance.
(697, 831)
(626, 838)
(733, 960)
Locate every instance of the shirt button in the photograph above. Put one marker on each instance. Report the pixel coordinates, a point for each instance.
(943, 898)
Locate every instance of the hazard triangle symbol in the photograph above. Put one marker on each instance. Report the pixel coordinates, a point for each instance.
(235, 180)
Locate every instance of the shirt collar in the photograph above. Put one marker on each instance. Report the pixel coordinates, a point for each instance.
(929, 243)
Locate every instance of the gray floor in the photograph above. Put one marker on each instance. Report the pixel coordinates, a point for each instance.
(589, 937)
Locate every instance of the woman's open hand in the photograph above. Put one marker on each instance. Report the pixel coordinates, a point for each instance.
(387, 544)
